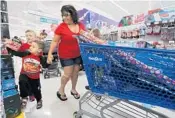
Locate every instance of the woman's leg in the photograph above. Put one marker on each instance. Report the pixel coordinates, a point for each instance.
(68, 70)
(74, 77)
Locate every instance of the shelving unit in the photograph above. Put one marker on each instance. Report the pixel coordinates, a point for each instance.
(10, 99)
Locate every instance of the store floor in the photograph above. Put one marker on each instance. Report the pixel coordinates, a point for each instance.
(54, 108)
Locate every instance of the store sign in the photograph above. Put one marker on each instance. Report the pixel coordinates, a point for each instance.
(167, 14)
(48, 20)
(154, 11)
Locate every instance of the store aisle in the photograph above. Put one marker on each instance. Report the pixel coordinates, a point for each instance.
(52, 106)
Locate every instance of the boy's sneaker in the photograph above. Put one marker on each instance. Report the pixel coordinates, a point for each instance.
(39, 104)
(24, 103)
(31, 98)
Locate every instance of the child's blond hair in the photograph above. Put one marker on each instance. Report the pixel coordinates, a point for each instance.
(30, 31)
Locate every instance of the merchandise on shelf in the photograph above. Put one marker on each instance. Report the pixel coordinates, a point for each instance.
(8, 83)
(142, 31)
(135, 33)
(156, 30)
(9, 93)
(6, 63)
(171, 33)
(149, 30)
(15, 44)
(12, 104)
(164, 32)
(123, 34)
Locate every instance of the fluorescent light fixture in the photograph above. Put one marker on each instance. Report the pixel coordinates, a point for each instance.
(120, 7)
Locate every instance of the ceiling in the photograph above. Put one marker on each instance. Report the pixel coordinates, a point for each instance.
(20, 19)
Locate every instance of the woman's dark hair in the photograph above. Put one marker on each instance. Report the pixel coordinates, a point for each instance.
(72, 11)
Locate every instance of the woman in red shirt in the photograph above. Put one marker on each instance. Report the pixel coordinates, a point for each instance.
(68, 49)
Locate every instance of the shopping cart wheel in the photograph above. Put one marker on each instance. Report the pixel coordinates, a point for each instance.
(58, 73)
(98, 97)
(76, 115)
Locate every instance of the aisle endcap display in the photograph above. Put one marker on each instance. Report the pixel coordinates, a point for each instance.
(11, 98)
(10, 104)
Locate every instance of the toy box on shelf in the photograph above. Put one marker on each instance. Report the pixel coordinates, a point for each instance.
(2, 114)
(10, 95)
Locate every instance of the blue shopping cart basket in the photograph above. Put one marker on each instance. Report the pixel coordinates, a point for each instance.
(142, 75)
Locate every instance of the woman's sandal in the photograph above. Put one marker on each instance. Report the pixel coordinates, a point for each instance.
(76, 95)
(60, 96)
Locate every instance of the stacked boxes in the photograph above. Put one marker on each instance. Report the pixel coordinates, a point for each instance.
(11, 98)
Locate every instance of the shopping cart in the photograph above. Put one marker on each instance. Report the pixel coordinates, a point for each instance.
(129, 75)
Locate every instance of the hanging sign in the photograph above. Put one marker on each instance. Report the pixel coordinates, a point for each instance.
(48, 20)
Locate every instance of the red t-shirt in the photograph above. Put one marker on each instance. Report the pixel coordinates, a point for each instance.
(24, 47)
(31, 66)
(68, 47)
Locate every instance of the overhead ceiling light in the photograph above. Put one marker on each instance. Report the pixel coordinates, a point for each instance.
(120, 7)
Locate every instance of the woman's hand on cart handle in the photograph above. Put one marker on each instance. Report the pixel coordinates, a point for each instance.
(49, 58)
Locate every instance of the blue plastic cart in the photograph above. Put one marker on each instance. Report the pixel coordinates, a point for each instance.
(124, 76)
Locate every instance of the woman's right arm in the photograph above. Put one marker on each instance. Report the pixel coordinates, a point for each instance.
(54, 43)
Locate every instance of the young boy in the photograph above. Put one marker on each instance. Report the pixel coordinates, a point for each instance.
(30, 36)
(30, 73)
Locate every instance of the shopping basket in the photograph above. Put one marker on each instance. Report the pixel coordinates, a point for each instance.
(141, 75)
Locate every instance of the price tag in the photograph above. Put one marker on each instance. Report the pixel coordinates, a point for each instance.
(164, 21)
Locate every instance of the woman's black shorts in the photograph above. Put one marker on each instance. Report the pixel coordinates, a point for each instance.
(70, 62)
